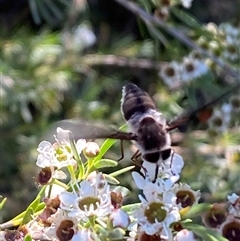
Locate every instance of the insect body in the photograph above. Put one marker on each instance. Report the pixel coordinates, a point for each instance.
(149, 130)
(152, 138)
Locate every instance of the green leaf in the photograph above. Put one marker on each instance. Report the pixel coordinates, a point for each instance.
(28, 237)
(81, 168)
(196, 210)
(34, 11)
(110, 179)
(121, 171)
(203, 232)
(186, 18)
(55, 9)
(34, 206)
(35, 203)
(28, 215)
(130, 208)
(106, 146)
(3, 203)
(105, 163)
(40, 207)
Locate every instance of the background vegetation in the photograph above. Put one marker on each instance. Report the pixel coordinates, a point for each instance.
(70, 59)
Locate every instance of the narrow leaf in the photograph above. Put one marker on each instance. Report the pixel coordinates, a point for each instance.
(195, 210)
(110, 179)
(121, 171)
(130, 207)
(107, 145)
(105, 163)
(34, 11)
(28, 216)
(186, 18)
(55, 9)
(3, 203)
(203, 232)
(28, 237)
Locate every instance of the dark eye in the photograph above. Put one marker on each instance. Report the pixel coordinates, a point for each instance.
(166, 154)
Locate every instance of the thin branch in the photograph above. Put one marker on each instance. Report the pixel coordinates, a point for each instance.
(151, 20)
(112, 60)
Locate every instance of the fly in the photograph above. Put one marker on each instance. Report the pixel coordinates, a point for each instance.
(148, 128)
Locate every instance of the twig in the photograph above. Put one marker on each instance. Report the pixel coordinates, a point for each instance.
(150, 20)
(112, 60)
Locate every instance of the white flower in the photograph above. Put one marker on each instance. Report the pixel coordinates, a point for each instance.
(231, 51)
(36, 231)
(83, 37)
(234, 208)
(62, 226)
(59, 154)
(185, 195)
(220, 119)
(165, 169)
(230, 229)
(91, 199)
(119, 218)
(62, 135)
(80, 145)
(233, 198)
(152, 189)
(170, 73)
(192, 68)
(133, 228)
(84, 235)
(2, 236)
(55, 190)
(173, 165)
(54, 155)
(187, 3)
(63, 139)
(235, 103)
(229, 29)
(154, 217)
(184, 235)
(158, 209)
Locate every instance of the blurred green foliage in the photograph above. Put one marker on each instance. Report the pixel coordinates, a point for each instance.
(46, 76)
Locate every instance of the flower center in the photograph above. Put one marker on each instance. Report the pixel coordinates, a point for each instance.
(87, 202)
(185, 198)
(65, 231)
(170, 72)
(155, 212)
(217, 121)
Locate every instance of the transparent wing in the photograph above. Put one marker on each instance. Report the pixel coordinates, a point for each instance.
(190, 115)
(86, 130)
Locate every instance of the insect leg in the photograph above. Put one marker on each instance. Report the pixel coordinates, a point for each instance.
(135, 160)
(172, 154)
(156, 173)
(136, 155)
(122, 151)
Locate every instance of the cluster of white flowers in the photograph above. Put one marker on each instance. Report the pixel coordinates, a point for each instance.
(231, 42)
(89, 209)
(225, 220)
(222, 116)
(176, 73)
(162, 200)
(67, 216)
(224, 43)
(80, 38)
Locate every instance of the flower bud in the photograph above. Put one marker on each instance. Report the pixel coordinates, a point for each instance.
(91, 149)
